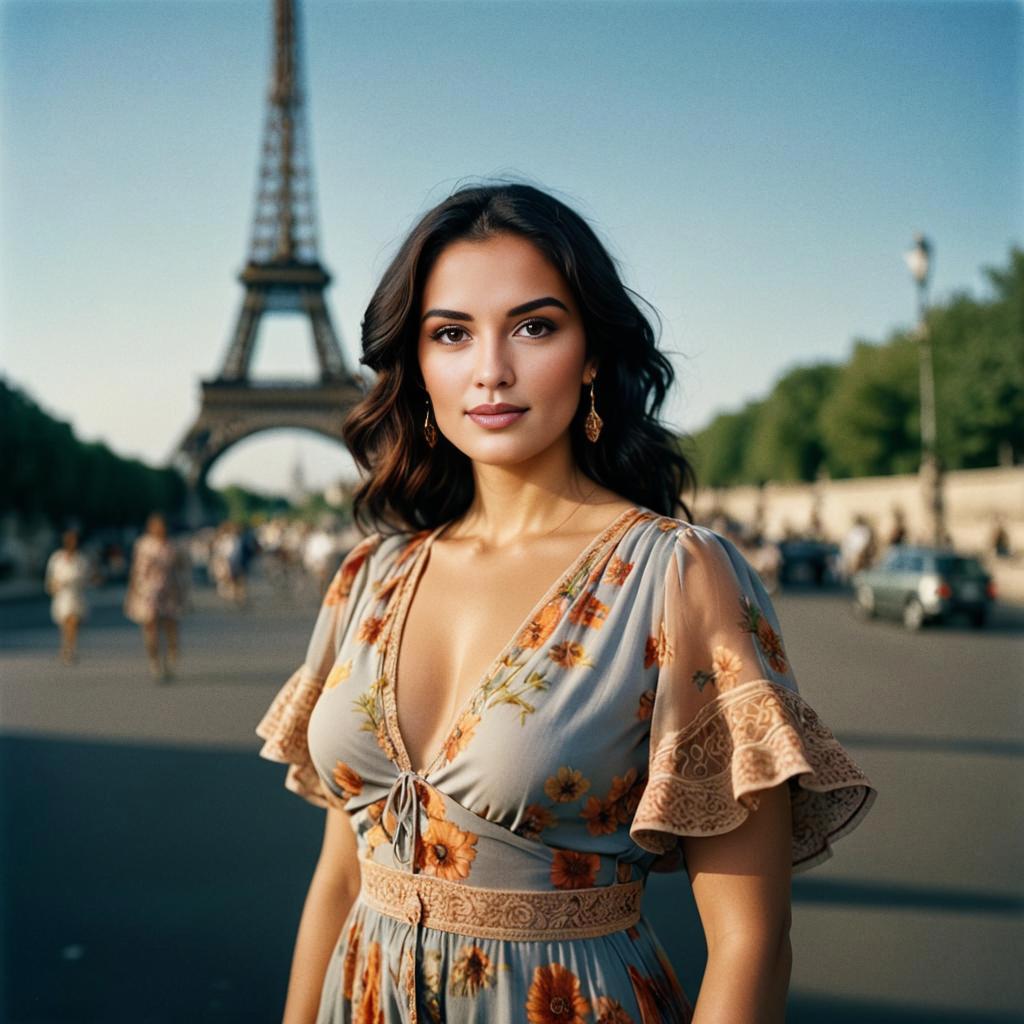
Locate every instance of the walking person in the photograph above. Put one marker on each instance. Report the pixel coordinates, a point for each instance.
(158, 586)
(533, 683)
(68, 573)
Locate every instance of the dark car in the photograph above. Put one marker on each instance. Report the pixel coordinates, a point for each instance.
(919, 584)
(805, 560)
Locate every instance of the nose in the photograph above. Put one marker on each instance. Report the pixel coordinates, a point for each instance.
(493, 367)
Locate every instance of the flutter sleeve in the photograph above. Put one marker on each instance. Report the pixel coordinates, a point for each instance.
(284, 725)
(728, 720)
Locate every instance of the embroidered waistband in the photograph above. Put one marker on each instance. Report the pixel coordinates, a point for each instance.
(512, 914)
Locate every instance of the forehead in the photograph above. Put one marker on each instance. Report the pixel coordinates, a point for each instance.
(504, 271)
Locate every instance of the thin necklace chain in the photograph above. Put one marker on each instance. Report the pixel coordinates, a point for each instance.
(576, 509)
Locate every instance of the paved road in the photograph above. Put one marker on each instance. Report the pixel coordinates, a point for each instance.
(154, 867)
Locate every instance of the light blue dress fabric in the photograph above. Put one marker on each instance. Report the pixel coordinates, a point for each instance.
(647, 696)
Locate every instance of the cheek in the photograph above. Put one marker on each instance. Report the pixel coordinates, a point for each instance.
(554, 375)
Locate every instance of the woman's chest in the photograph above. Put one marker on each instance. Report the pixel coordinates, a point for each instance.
(555, 736)
(460, 621)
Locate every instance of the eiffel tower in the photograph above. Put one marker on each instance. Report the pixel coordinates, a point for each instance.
(283, 274)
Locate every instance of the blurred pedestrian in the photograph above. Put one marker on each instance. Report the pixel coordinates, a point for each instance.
(68, 573)
(157, 593)
(858, 546)
(999, 541)
(320, 555)
(898, 533)
(226, 560)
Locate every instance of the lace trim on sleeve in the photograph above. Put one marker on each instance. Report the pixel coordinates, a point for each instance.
(284, 728)
(704, 778)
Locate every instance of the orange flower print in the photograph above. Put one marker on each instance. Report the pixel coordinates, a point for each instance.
(536, 818)
(410, 548)
(621, 785)
(369, 1009)
(338, 674)
(348, 780)
(646, 997)
(754, 621)
(430, 972)
(726, 666)
(369, 630)
(771, 644)
(667, 524)
(658, 649)
(601, 816)
(375, 836)
(382, 633)
(383, 589)
(566, 785)
(542, 625)
(569, 655)
(589, 611)
(572, 870)
(445, 851)
(431, 801)
(555, 997)
(646, 708)
(617, 571)
(348, 969)
(341, 586)
(670, 978)
(610, 1011)
(624, 795)
(472, 972)
(460, 735)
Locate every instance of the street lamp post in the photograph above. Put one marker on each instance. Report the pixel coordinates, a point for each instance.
(919, 261)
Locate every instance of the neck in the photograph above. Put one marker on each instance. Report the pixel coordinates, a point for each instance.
(525, 500)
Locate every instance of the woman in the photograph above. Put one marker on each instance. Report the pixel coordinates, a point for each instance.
(157, 593)
(492, 811)
(67, 575)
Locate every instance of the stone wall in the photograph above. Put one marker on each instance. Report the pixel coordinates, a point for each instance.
(975, 499)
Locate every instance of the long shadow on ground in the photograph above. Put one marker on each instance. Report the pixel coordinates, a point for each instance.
(163, 886)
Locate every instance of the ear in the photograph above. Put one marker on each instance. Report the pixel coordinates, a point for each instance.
(589, 371)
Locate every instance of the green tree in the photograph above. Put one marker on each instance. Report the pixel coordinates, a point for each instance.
(720, 447)
(979, 370)
(869, 423)
(785, 443)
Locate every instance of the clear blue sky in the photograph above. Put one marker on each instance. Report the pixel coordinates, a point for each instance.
(758, 169)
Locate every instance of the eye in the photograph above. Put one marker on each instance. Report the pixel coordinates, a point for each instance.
(443, 334)
(546, 326)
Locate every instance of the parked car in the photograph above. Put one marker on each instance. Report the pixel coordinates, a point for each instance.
(808, 561)
(920, 584)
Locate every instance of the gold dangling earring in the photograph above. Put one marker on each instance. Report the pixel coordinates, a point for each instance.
(593, 422)
(428, 428)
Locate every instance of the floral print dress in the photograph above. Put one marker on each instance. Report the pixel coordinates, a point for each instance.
(646, 697)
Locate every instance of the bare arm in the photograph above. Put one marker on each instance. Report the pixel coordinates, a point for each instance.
(332, 891)
(741, 883)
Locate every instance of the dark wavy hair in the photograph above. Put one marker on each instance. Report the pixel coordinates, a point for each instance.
(407, 483)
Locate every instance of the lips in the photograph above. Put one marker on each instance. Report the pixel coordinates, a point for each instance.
(493, 417)
(488, 410)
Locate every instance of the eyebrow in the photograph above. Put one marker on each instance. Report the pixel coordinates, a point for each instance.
(526, 307)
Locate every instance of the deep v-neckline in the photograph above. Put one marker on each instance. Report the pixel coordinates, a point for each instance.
(393, 638)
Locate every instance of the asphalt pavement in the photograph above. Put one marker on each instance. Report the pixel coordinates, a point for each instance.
(153, 867)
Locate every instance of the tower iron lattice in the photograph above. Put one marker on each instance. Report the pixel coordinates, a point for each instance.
(283, 274)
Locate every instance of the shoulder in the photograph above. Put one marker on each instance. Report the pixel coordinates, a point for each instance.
(678, 556)
(669, 539)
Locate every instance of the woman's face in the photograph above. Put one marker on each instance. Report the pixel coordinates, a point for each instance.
(499, 325)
